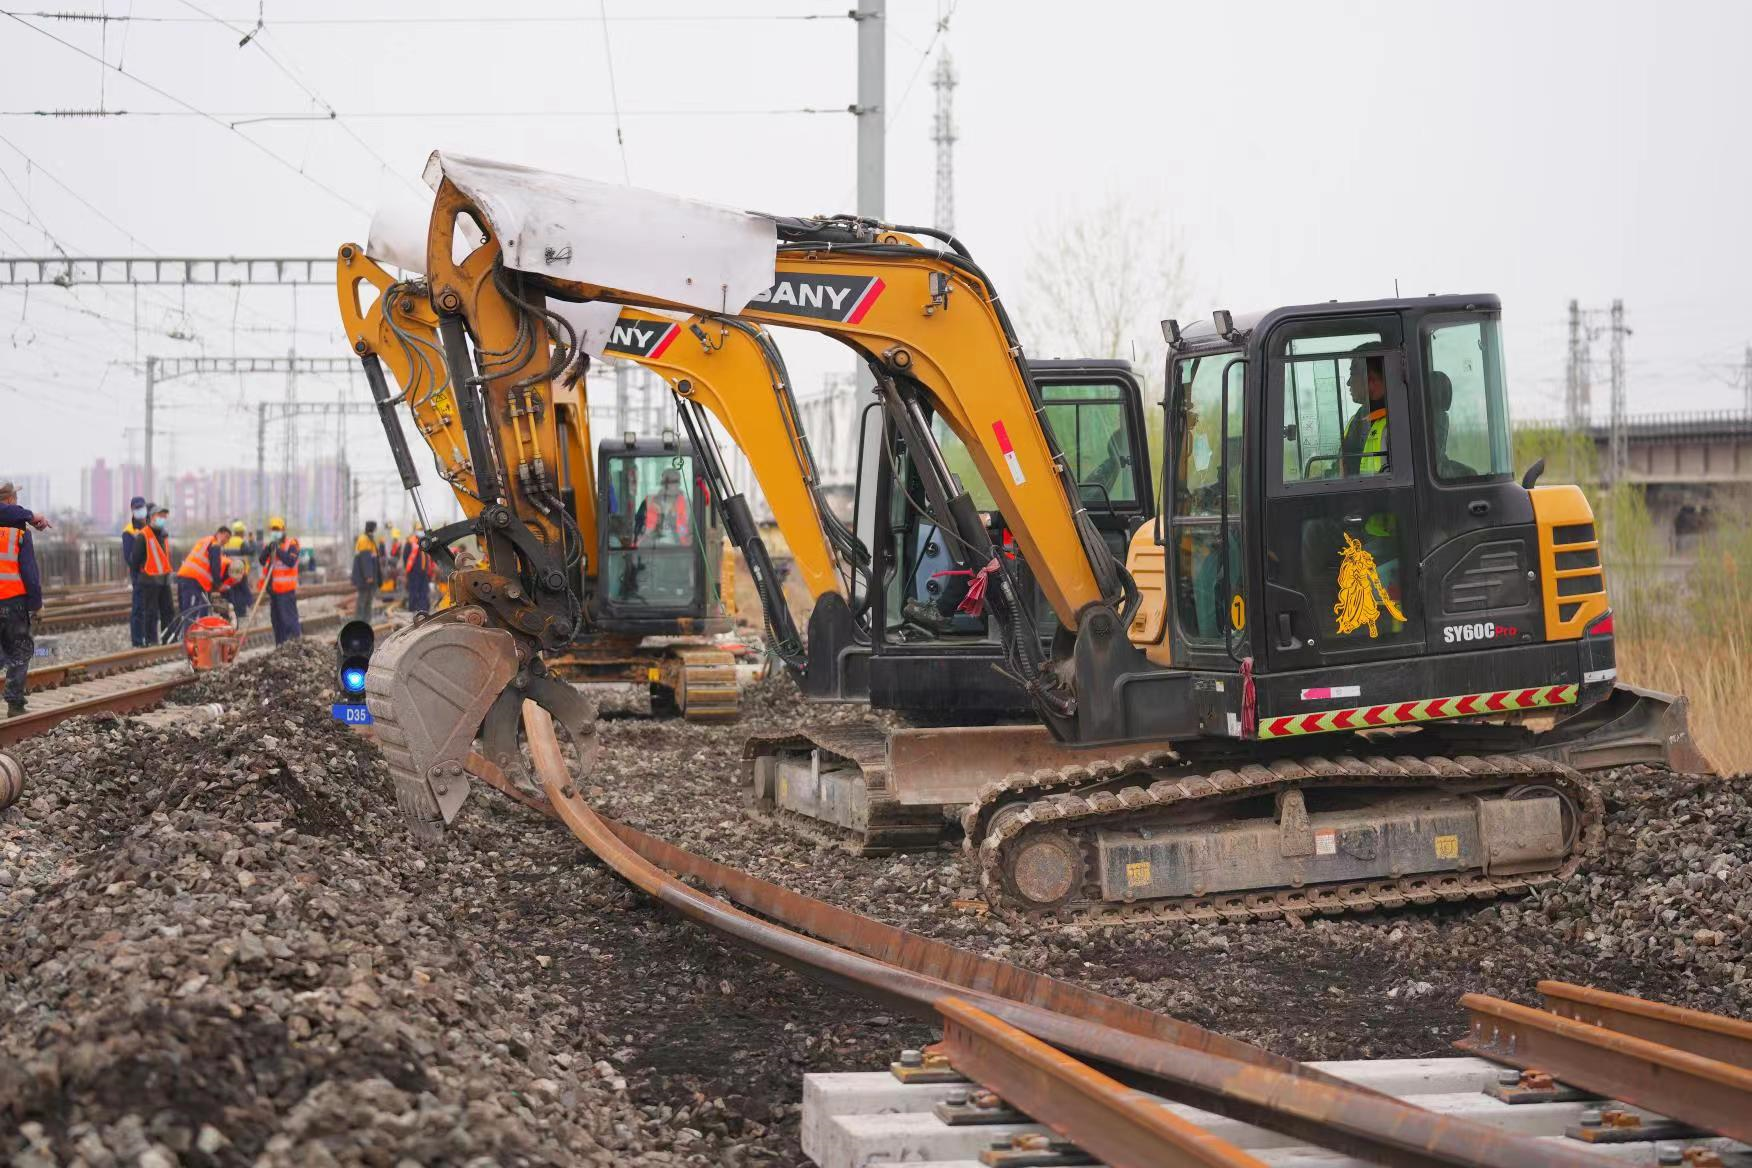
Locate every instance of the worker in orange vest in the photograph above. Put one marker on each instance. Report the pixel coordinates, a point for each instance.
(418, 569)
(150, 557)
(234, 585)
(21, 593)
(202, 570)
(280, 558)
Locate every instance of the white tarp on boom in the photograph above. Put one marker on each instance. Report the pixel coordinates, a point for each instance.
(706, 257)
(398, 231)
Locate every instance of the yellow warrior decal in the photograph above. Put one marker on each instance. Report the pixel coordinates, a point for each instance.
(1359, 585)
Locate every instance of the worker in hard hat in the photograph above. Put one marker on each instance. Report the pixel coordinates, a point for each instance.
(279, 556)
(418, 569)
(367, 571)
(201, 572)
(149, 557)
(138, 519)
(21, 594)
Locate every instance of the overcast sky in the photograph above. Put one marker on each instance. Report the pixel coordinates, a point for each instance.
(1303, 151)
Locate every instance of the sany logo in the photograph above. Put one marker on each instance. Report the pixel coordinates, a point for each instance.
(839, 298)
(636, 336)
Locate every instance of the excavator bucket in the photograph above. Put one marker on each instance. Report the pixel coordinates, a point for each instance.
(429, 687)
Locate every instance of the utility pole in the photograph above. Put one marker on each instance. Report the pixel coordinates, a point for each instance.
(621, 390)
(289, 458)
(151, 388)
(943, 134)
(1617, 440)
(260, 503)
(871, 110)
(1746, 379)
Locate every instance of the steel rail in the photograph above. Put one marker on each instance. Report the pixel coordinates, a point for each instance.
(85, 615)
(1680, 1085)
(48, 677)
(1346, 1119)
(21, 726)
(1711, 1036)
(1117, 1125)
(127, 701)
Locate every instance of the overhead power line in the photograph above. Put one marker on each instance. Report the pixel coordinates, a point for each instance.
(246, 117)
(643, 18)
(168, 96)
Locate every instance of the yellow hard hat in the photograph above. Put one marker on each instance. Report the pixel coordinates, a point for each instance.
(395, 532)
(238, 527)
(276, 523)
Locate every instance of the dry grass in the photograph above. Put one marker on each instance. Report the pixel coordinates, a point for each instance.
(1715, 673)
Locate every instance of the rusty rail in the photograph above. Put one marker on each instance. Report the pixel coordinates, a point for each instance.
(1115, 1124)
(1671, 1082)
(47, 677)
(1303, 1105)
(83, 614)
(1712, 1036)
(127, 701)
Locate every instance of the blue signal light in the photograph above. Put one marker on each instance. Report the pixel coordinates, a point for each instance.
(354, 680)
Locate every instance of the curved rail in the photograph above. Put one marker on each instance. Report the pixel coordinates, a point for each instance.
(920, 976)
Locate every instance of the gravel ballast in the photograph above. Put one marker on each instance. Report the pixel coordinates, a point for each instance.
(219, 945)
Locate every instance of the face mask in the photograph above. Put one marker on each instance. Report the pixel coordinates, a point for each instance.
(139, 513)
(158, 525)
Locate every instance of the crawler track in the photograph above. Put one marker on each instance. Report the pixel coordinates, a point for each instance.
(1082, 798)
(1176, 1059)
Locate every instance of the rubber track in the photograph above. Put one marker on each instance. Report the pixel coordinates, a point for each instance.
(1056, 800)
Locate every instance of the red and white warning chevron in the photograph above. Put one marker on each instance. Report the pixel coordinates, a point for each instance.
(1398, 713)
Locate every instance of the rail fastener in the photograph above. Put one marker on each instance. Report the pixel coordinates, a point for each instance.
(1689, 1088)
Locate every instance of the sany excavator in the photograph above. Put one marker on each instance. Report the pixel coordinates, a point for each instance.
(1344, 552)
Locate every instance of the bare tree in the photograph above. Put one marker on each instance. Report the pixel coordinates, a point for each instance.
(1100, 279)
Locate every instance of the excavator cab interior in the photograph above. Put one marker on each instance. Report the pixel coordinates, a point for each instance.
(920, 652)
(661, 544)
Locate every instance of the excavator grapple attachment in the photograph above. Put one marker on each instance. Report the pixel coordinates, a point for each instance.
(429, 687)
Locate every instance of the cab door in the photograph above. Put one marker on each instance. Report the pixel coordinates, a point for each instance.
(1341, 540)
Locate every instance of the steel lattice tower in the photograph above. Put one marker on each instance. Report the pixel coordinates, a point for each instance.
(943, 134)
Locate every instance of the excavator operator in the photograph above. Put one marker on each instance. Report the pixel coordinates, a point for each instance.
(1365, 436)
(663, 519)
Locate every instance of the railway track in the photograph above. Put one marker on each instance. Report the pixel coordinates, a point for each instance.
(126, 682)
(80, 612)
(1031, 1039)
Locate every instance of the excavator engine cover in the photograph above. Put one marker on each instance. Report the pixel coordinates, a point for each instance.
(428, 689)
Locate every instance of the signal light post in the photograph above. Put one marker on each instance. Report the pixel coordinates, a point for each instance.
(353, 660)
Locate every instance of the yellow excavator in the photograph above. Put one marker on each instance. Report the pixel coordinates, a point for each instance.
(1344, 551)
(655, 598)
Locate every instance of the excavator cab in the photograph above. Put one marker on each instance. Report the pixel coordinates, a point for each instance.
(661, 545)
(1341, 515)
(925, 651)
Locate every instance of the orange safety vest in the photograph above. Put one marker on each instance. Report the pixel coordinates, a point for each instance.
(196, 568)
(11, 579)
(280, 577)
(157, 555)
(654, 515)
(416, 556)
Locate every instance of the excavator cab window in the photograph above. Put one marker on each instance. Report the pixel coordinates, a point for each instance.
(657, 523)
(1207, 453)
(1091, 423)
(1467, 406)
